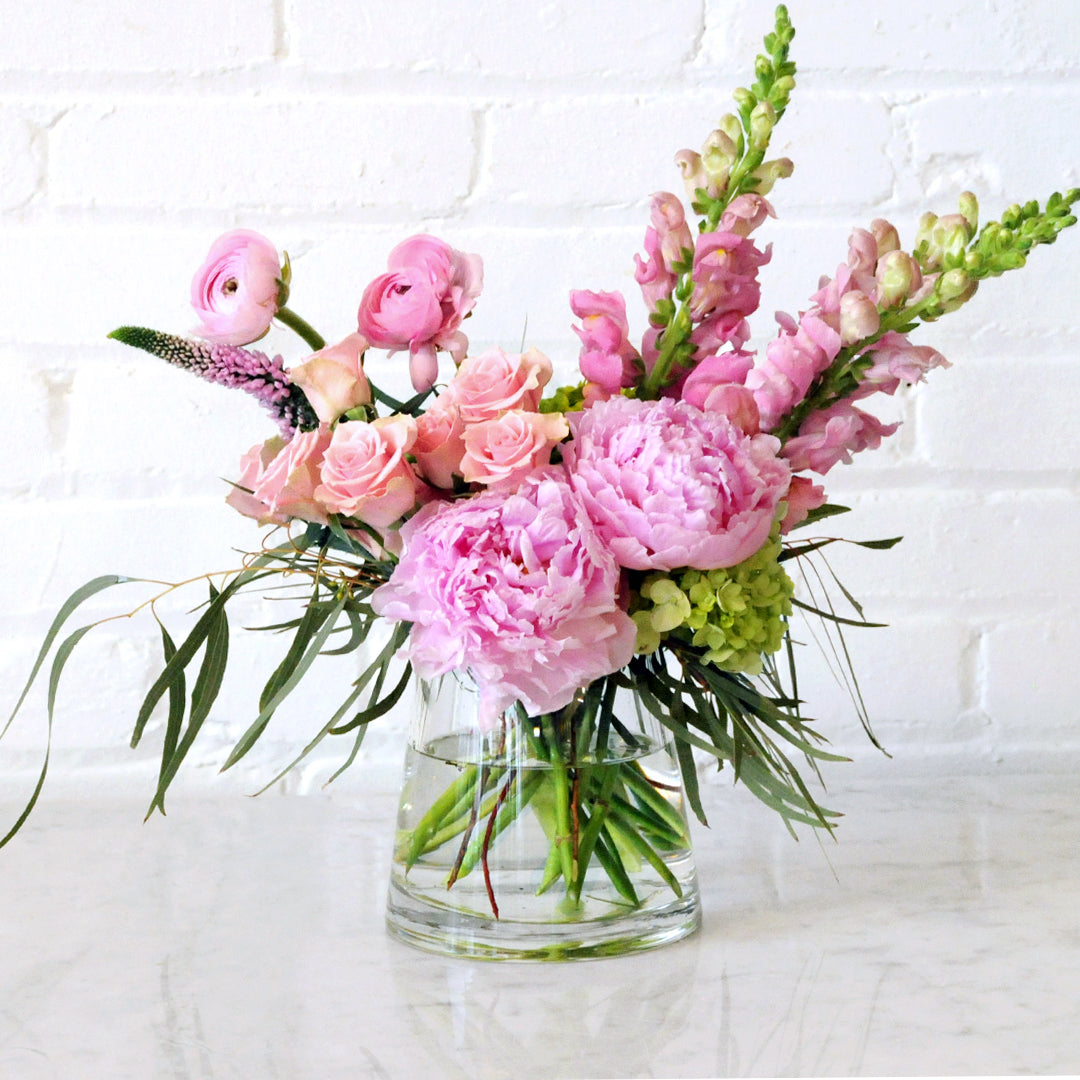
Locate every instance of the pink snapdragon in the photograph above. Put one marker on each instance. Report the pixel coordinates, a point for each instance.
(802, 497)
(725, 275)
(517, 588)
(333, 378)
(668, 485)
(667, 240)
(365, 474)
(235, 291)
(792, 361)
(607, 359)
(419, 304)
(832, 435)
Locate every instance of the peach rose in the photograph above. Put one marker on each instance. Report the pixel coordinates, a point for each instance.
(364, 472)
(496, 382)
(439, 446)
(502, 452)
(287, 483)
(333, 379)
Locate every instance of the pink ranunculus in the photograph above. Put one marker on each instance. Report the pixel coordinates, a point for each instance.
(669, 486)
(287, 485)
(253, 467)
(235, 291)
(516, 588)
(333, 378)
(607, 357)
(496, 382)
(832, 435)
(419, 304)
(365, 474)
(725, 275)
(802, 497)
(500, 453)
(440, 443)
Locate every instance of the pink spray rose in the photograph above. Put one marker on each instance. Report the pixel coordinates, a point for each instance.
(235, 291)
(420, 302)
(333, 379)
(516, 588)
(282, 477)
(669, 486)
(502, 452)
(496, 382)
(364, 472)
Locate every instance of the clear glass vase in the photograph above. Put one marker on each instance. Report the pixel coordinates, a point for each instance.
(551, 837)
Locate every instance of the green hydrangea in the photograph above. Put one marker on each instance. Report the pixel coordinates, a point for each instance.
(737, 615)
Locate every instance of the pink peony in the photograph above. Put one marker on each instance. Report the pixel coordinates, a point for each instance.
(502, 452)
(333, 379)
(669, 486)
(832, 435)
(285, 484)
(496, 382)
(516, 588)
(235, 291)
(420, 303)
(364, 472)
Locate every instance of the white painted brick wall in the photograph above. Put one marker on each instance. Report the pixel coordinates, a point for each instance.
(131, 134)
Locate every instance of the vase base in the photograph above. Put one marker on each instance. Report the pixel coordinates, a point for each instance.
(451, 932)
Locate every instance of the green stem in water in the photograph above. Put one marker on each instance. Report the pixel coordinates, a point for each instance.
(288, 317)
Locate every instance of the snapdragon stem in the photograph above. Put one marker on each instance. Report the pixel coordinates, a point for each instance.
(288, 317)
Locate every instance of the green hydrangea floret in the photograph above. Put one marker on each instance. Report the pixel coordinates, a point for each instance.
(738, 614)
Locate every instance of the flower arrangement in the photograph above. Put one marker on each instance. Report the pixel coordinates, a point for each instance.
(632, 532)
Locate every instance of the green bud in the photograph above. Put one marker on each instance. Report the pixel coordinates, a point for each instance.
(769, 172)
(969, 208)
(762, 121)
(745, 99)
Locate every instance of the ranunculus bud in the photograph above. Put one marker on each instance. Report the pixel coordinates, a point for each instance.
(859, 317)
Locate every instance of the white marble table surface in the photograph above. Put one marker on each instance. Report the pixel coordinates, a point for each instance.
(243, 938)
